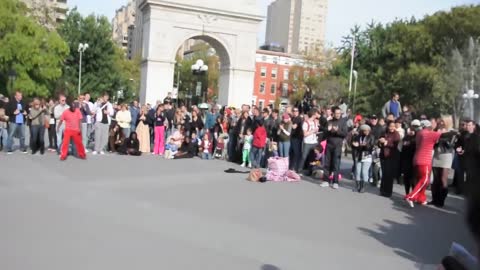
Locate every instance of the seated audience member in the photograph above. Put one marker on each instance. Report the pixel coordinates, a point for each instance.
(131, 146)
(115, 139)
(171, 149)
(187, 150)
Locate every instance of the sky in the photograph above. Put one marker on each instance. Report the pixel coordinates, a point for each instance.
(342, 14)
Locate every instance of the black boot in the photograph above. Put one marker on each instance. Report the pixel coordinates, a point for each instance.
(357, 186)
(362, 187)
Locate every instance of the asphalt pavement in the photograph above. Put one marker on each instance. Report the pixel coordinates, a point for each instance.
(118, 212)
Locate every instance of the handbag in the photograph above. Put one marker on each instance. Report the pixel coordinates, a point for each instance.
(46, 122)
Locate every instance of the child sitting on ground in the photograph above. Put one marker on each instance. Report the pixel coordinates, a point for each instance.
(171, 149)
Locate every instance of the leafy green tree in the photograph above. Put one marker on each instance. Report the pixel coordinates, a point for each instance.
(104, 66)
(36, 54)
(189, 80)
(412, 57)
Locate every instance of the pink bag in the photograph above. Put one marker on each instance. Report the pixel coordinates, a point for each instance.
(273, 176)
(278, 165)
(292, 176)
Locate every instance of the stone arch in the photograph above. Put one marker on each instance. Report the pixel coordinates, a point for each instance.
(225, 56)
(230, 29)
(216, 42)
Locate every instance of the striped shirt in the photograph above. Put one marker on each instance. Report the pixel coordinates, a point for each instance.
(425, 141)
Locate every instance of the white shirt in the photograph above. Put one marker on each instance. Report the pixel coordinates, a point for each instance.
(90, 107)
(98, 109)
(124, 118)
(309, 126)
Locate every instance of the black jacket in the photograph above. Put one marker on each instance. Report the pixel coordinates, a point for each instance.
(362, 151)
(12, 106)
(378, 131)
(335, 138)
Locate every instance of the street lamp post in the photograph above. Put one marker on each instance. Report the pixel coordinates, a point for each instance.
(81, 49)
(470, 96)
(12, 76)
(351, 66)
(179, 66)
(199, 68)
(355, 75)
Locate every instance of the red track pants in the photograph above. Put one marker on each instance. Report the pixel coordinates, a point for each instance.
(76, 136)
(423, 179)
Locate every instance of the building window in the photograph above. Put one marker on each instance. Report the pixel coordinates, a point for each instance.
(274, 73)
(264, 58)
(261, 103)
(262, 87)
(284, 89)
(263, 72)
(286, 73)
(273, 89)
(275, 60)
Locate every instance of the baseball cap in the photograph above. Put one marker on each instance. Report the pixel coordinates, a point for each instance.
(426, 123)
(374, 116)
(416, 123)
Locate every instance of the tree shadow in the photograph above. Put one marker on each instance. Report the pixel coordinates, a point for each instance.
(426, 235)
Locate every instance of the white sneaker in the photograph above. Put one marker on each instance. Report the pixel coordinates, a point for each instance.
(94, 153)
(335, 186)
(324, 184)
(87, 151)
(250, 166)
(243, 165)
(410, 203)
(102, 153)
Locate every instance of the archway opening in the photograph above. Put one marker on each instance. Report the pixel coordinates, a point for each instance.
(193, 87)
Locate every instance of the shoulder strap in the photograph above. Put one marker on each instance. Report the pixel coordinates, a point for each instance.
(38, 115)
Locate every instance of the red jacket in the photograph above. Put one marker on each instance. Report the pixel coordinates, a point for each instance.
(426, 140)
(260, 137)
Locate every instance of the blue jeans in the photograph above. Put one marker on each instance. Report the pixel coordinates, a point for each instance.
(60, 137)
(284, 148)
(362, 171)
(16, 129)
(4, 135)
(256, 156)
(207, 156)
(37, 138)
(126, 132)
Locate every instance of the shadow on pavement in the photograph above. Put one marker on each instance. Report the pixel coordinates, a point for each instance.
(426, 231)
(269, 267)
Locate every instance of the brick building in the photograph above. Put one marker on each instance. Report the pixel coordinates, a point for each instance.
(275, 72)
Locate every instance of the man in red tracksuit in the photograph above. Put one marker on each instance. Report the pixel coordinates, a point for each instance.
(425, 141)
(72, 118)
(259, 143)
